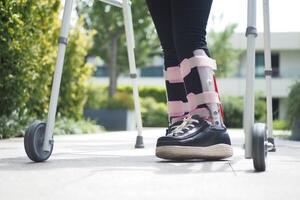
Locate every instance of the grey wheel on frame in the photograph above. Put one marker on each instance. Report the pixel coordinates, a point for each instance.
(259, 148)
(33, 142)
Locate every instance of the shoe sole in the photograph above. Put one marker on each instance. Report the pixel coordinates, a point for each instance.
(218, 151)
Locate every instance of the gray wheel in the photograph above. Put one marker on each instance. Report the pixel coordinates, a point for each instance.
(259, 149)
(33, 142)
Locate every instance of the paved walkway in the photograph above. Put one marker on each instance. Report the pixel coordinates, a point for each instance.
(106, 166)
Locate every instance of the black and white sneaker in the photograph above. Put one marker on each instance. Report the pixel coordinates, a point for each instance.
(194, 138)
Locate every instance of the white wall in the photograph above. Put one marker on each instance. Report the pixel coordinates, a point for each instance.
(289, 63)
(282, 108)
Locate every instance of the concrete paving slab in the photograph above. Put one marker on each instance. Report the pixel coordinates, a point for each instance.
(106, 166)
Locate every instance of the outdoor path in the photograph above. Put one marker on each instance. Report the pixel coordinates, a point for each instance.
(106, 166)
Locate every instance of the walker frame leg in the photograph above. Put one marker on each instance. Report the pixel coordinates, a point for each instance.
(63, 40)
(268, 73)
(132, 66)
(251, 33)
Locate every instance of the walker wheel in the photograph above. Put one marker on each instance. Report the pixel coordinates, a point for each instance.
(33, 142)
(259, 149)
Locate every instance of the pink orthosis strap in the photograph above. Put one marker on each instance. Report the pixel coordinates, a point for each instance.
(202, 98)
(196, 61)
(177, 108)
(172, 74)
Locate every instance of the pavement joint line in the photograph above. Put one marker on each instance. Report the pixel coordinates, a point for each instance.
(234, 172)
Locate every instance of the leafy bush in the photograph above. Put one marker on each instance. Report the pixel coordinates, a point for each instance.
(27, 37)
(293, 110)
(97, 97)
(156, 92)
(154, 114)
(14, 125)
(76, 73)
(65, 126)
(156, 105)
(234, 107)
(28, 41)
(233, 111)
(280, 125)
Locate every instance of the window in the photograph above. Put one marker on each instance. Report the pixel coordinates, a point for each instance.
(101, 72)
(152, 72)
(260, 64)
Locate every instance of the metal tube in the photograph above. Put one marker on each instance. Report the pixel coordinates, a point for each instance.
(268, 66)
(132, 65)
(117, 3)
(250, 77)
(57, 75)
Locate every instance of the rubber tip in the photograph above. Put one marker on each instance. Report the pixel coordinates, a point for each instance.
(139, 142)
(271, 140)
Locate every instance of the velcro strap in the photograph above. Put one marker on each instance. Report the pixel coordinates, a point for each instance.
(172, 74)
(196, 61)
(202, 98)
(177, 108)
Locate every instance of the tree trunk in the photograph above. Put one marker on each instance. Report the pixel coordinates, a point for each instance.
(113, 67)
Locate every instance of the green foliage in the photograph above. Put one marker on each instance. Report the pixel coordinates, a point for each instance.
(28, 51)
(97, 97)
(97, 92)
(280, 125)
(76, 73)
(108, 22)
(233, 108)
(154, 109)
(27, 33)
(158, 93)
(14, 125)
(154, 114)
(110, 42)
(293, 110)
(233, 111)
(65, 126)
(222, 50)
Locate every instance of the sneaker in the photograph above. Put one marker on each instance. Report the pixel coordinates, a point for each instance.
(194, 138)
(172, 127)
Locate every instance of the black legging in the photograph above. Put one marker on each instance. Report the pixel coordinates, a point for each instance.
(181, 27)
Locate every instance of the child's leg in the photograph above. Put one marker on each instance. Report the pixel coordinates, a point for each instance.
(195, 137)
(189, 20)
(160, 11)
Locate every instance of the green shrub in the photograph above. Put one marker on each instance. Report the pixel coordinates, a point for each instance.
(234, 107)
(65, 126)
(97, 98)
(233, 111)
(293, 110)
(27, 37)
(154, 114)
(156, 92)
(28, 52)
(14, 125)
(280, 125)
(76, 73)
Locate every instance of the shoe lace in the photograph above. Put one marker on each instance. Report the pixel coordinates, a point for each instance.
(186, 124)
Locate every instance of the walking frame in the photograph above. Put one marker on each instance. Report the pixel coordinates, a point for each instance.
(38, 140)
(42, 152)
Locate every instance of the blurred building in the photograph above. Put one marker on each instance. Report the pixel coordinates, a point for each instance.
(285, 64)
